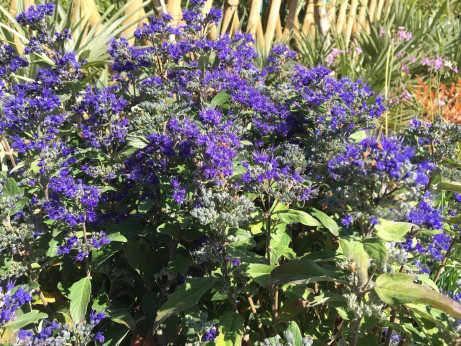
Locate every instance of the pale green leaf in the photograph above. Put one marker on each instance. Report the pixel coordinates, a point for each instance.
(23, 320)
(79, 298)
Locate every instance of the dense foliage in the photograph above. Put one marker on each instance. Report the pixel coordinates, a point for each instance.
(199, 198)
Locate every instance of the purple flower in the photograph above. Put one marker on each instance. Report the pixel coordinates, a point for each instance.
(210, 335)
(346, 221)
(179, 193)
(35, 15)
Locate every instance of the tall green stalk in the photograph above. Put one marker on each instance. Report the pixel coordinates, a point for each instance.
(389, 61)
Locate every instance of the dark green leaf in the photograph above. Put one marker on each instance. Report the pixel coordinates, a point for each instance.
(186, 296)
(141, 258)
(121, 316)
(302, 272)
(231, 328)
(107, 251)
(146, 205)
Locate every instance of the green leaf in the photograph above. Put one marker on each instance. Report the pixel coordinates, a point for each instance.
(107, 251)
(150, 304)
(294, 333)
(401, 289)
(244, 255)
(23, 320)
(297, 216)
(11, 188)
(79, 298)
(353, 248)
(220, 98)
(303, 272)
(393, 231)
(231, 327)
(53, 247)
(117, 237)
(203, 61)
(326, 221)
(121, 316)
(141, 258)
(450, 186)
(114, 334)
(179, 264)
(260, 273)
(376, 250)
(146, 205)
(186, 296)
(138, 142)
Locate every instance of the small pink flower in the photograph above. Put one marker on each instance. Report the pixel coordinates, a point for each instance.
(438, 63)
(399, 55)
(358, 50)
(332, 56)
(403, 35)
(382, 32)
(425, 61)
(406, 96)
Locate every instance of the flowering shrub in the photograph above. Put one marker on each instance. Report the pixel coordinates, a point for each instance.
(199, 198)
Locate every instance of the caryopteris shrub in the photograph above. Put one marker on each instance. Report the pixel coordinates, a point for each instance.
(198, 198)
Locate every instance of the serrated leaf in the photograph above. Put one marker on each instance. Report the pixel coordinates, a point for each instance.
(297, 216)
(401, 289)
(231, 328)
(79, 299)
(23, 320)
(186, 296)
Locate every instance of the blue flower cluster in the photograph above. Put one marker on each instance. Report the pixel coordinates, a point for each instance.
(11, 301)
(53, 333)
